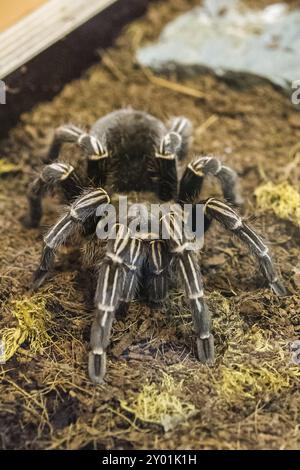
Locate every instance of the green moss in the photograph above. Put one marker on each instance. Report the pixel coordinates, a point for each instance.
(242, 381)
(282, 199)
(7, 167)
(160, 404)
(32, 317)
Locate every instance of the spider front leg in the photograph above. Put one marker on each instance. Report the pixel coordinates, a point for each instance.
(52, 176)
(117, 282)
(190, 274)
(182, 126)
(193, 177)
(167, 171)
(215, 209)
(93, 148)
(78, 215)
(157, 271)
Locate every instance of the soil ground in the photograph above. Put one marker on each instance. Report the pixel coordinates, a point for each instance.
(156, 395)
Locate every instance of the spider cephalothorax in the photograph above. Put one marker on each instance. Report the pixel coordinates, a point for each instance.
(131, 152)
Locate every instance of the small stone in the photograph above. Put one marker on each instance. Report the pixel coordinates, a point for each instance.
(296, 279)
(231, 40)
(294, 120)
(216, 260)
(250, 308)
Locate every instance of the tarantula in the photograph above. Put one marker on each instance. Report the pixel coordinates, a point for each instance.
(131, 152)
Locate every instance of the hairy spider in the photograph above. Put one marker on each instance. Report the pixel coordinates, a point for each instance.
(131, 152)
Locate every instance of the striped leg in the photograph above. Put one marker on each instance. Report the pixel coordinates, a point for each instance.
(92, 147)
(55, 175)
(192, 180)
(166, 160)
(184, 128)
(157, 271)
(190, 274)
(227, 217)
(117, 282)
(75, 219)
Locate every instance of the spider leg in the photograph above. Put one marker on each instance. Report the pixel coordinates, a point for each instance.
(157, 271)
(117, 283)
(63, 134)
(166, 160)
(190, 274)
(55, 175)
(227, 217)
(79, 213)
(94, 150)
(182, 126)
(192, 180)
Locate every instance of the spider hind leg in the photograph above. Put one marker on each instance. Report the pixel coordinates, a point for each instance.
(230, 220)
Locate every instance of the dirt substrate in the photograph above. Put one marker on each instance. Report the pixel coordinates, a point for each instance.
(156, 394)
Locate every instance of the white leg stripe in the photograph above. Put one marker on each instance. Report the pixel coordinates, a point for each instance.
(196, 296)
(53, 240)
(181, 248)
(199, 305)
(73, 213)
(99, 351)
(130, 286)
(104, 318)
(225, 210)
(195, 277)
(104, 308)
(114, 287)
(105, 284)
(115, 258)
(97, 147)
(185, 275)
(182, 125)
(82, 136)
(258, 248)
(68, 130)
(137, 253)
(121, 231)
(220, 168)
(154, 258)
(204, 335)
(122, 245)
(238, 224)
(60, 167)
(91, 200)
